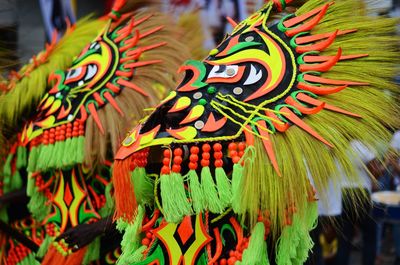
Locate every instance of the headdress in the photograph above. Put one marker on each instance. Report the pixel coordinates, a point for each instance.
(273, 100)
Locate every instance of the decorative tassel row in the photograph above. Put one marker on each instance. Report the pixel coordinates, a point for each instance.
(59, 147)
(256, 253)
(237, 175)
(195, 190)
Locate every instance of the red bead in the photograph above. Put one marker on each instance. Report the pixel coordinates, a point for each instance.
(176, 168)
(235, 159)
(218, 155)
(165, 170)
(205, 156)
(217, 147)
(242, 146)
(192, 165)
(232, 146)
(218, 163)
(223, 262)
(167, 153)
(178, 160)
(178, 152)
(194, 158)
(166, 161)
(145, 241)
(233, 153)
(205, 163)
(149, 235)
(75, 134)
(231, 253)
(240, 153)
(232, 261)
(52, 130)
(206, 148)
(194, 150)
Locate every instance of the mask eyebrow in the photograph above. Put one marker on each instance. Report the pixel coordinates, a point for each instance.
(243, 45)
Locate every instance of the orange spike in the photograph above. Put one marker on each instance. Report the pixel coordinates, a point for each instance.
(147, 33)
(113, 87)
(95, 115)
(140, 21)
(126, 32)
(129, 58)
(318, 37)
(319, 46)
(320, 90)
(318, 58)
(139, 64)
(300, 123)
(322, 67)
(232, 22)
(268, 146)
(278, 126)
(113, 103)
(123, 82)
(315, 102)
(298, 19)
(307, 26)
(291, 101)
(118, 4)
(150, 47)
(98, 98)
(134, 39)
(124, 74)
(83, 113)
(321, 80)
(249, 136)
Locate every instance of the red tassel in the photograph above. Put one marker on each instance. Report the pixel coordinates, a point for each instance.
(307, 26)
(319, 46)
(125, 200)
(300, 123)
(322, 67)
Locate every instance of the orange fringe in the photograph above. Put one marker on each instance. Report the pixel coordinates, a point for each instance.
(53, 256)
(125, 200)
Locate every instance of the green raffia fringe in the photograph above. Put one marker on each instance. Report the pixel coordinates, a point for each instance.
(223, 186)
(63, 154)
(295, 241)
(16, 181)
(44, 247)
(4, 215)
(143, 186)
(37, 205)
(30, 186)
(256, 253)
(237, 175)
(21, 157)
(121, 225)
(7, 172)
(195, 192)
(137, 256)
(93, 252)
(174, 200)
(29, 260)
(108, 208)
(131, 239)
(210, 192)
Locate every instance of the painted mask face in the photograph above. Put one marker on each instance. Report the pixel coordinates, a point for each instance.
(256, 81)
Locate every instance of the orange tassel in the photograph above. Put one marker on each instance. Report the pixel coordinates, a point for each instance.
(53, 256)
(125, 200)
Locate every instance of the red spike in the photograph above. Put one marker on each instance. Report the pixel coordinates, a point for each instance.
(147, 33)
(307, 26)
(139, 64)
(278, 126)
(129, 58)
(320, 90)
(315, 102)
(118, 4)
(322, 67)
(298, 19)
(83, 113)
(113, 103)
(318, 37)
(98, 98)
(268, 146)
(113, 87)
(134, 39)
(291, 101)
(123, 82)
(318, 58)
(319, 46)
(95, 115)
(321, 80)
(232, 22)
(150, 47)
(300, 123)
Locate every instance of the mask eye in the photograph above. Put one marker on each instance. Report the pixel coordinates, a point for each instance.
(74, 73)
(223, 71)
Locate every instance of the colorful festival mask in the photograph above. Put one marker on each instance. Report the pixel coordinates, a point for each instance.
(275, 100)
